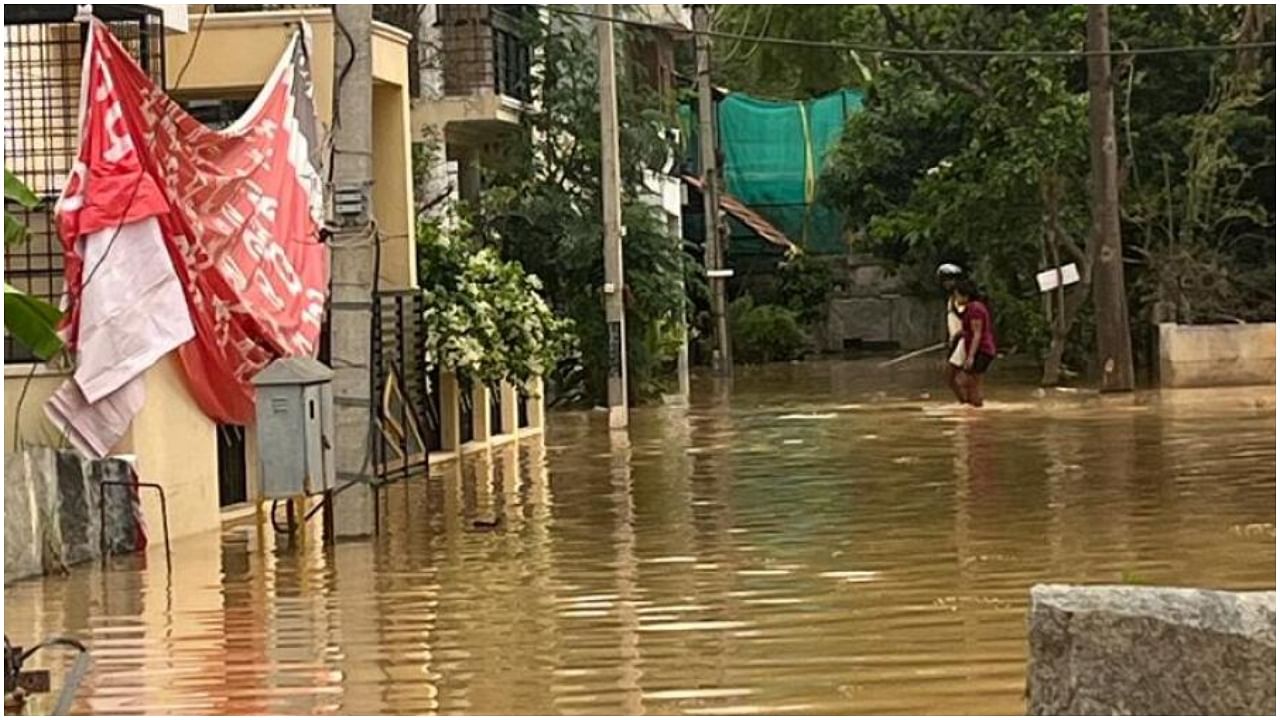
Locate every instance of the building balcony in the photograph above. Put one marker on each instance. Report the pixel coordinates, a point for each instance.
(481, 68)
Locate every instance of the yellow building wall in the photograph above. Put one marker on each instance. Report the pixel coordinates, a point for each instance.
(24, 419)
(235, 53)
(393, 185)
(176, 447)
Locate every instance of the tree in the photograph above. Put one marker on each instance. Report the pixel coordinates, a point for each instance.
(984, 160)
(788, 72)
(541, 207)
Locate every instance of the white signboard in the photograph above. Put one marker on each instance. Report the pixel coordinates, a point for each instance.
(1048, 280)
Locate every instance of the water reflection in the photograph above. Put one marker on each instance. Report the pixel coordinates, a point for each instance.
(825, 540)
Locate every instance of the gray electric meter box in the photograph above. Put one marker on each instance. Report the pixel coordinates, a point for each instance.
(295, 428)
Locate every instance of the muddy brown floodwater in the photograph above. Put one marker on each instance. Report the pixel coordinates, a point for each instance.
(822, 539)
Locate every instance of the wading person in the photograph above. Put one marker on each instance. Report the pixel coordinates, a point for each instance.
(949, 276)
(978, 339)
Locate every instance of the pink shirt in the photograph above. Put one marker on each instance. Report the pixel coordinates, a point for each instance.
(976, 310)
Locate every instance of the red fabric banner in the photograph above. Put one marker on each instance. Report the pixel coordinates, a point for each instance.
(240, 211)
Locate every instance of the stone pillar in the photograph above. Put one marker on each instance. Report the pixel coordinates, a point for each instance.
(480, 413)
(1131, 650)
(537, 405)
(510, 401)
(450, 415)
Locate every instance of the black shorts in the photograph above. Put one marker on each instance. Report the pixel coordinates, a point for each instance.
(981, 362)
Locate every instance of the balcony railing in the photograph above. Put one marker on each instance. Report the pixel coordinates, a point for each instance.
(485, 50)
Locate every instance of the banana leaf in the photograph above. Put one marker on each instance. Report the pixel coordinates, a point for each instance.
(32, 321)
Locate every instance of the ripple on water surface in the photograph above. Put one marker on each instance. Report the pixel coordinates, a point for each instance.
(824, 541)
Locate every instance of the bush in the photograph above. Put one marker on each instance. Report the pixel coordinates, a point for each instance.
(485, 316)
(765, 333)
(804, 285)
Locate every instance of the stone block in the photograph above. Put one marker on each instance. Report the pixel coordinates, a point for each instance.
(1216, 355)
(1130, 650)
(52, 506)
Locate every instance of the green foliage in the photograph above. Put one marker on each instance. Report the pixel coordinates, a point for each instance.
(804, 285)
(775, 71)
(1201, 203)
(951, 157)
(14, 191)
(32, 321)
(765, 333)
(542, 207)
(485, 316)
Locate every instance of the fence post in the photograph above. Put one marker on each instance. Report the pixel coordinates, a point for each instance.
(537, 405)
(480, 416)
(510, 409)
(450, 412)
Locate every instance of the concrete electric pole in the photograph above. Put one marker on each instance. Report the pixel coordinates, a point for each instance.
(1115, 351)
(353, 271)
(611, 182)
(713, 253)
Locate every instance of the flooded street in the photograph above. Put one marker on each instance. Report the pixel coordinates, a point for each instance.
(823, 539)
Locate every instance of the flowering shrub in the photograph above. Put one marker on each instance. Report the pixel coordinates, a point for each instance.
(485, 316)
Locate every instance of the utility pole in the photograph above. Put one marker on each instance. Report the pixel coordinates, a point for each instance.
(713, 253)
(610, 183)
(353, 272)
(1115, 353)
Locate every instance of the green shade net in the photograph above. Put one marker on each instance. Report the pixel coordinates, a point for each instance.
(774, 152)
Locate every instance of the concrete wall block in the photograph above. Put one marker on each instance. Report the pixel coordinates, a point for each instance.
(866, 319)
(1214, 355)
(23, 548)
(1130, 650)
(52, 502)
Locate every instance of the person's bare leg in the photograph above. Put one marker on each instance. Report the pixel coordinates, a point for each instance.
(975, 389)
(955, 380)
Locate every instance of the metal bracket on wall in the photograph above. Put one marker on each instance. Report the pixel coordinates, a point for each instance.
(102, 515)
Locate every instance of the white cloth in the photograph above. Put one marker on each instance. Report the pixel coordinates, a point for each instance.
(133, 312)
(955, 326)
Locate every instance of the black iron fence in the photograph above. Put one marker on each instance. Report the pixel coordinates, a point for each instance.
(466, 409)
(522, 409)
(43, 53)
(408, 408)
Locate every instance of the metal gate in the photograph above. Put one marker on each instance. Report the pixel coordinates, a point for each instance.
(406, 402)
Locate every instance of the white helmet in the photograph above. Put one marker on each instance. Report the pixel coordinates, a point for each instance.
(948, 271)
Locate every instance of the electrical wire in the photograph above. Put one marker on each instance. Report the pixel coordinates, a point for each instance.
(924, 52)
(191, 54)
(74, 677)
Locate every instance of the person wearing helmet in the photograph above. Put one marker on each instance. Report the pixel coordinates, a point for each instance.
(949, 277)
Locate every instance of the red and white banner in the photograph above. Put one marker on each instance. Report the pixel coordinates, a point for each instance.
(237, 212)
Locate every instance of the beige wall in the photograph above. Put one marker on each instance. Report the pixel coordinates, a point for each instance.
(236, 52)
(31, 427)
(177, 447)
(393, 185)
(1212, 355)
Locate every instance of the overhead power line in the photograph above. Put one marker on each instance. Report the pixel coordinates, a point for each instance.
(926, 52)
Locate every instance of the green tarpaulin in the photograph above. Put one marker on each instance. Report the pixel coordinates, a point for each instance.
(774, 152)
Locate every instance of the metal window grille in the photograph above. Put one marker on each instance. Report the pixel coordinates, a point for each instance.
(43, 51)
(484, 49)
